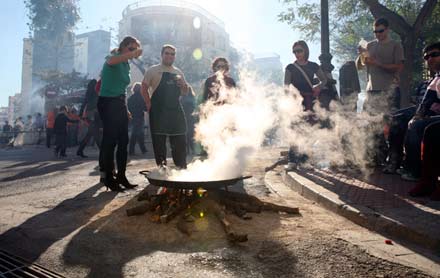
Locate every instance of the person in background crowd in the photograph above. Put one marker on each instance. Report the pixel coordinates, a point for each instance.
(189, 104)
(427, 113)
(60, 130)
(50, 121)
(18, 132)
(429, 184)
(137, 107)
(219, 78)
(300, 74)
(383, 60)
(39, 126)
(166, 83)
(28, 128)
(397, 128)
(115, 77)
(89, 113)
(72, 127)
(7, 132)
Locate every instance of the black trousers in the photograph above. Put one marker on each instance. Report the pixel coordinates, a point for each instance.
(113, 113)
(49, 133)
(398, 127)
(137, 135)
(92, 131)
(61, 143)
(178, 149)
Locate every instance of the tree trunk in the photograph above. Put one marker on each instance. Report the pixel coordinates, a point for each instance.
(409, 35)
(409, 45)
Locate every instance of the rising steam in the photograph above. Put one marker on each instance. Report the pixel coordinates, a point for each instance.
(232, 131)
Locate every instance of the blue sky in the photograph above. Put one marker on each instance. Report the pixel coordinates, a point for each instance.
(252, 24)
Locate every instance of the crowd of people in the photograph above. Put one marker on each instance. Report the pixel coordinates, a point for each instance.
(22, 132)
(405, 145)
(409, 146)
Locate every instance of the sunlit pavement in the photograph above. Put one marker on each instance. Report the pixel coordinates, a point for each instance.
(379, 202)
(55, 213)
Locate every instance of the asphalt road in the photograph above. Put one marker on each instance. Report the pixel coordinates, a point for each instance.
(56, 214)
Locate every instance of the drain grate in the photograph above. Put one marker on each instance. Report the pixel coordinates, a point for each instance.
(13, 266)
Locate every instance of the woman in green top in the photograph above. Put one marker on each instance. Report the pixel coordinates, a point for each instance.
(115, 77)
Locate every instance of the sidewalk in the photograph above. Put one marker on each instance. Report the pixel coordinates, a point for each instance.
(379, 203)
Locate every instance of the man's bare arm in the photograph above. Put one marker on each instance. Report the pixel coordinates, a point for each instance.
(145, 95)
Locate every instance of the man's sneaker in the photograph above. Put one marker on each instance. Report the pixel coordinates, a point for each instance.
(421, 189)
(291, 166)
(409, 177)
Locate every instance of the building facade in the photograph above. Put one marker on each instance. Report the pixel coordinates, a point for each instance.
(198, 35)
(90, 51)
(269, 68)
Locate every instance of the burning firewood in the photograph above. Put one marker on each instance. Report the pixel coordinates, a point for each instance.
(166, 204)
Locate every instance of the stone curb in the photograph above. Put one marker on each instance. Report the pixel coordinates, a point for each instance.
(360, 215)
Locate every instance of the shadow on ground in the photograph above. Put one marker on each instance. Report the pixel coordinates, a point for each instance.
(34, 236)
(116, 245)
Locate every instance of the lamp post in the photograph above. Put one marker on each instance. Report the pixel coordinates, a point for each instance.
(325, 56)
(329, 92)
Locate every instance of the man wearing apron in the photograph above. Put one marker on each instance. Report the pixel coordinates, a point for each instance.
(162, 87)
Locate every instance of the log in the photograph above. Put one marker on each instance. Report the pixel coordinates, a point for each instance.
(249, 203)
(143, 196)
(231, 235)
(139, 209)
(276, 208)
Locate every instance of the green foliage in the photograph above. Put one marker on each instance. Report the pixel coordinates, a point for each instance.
(351, 20)
(62, 83)
(52, 16)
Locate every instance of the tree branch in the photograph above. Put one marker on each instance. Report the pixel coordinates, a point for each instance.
(397, 22)
(423, 16)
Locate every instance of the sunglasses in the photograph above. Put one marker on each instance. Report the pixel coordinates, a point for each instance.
(132, 48)
(299, 50)
(431, 55)
(380, 31)
(220, 66)
(169, 53)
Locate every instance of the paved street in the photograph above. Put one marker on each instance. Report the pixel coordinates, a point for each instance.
(55, 214)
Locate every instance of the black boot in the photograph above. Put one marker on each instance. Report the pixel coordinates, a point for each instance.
(122, 180)
(81, 154)
(112, 184)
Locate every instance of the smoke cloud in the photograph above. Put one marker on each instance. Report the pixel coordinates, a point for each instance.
(232, 131)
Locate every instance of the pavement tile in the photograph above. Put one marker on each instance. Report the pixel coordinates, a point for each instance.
(384, 195)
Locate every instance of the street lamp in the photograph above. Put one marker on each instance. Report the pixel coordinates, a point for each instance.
(325, 56)
(330, 92)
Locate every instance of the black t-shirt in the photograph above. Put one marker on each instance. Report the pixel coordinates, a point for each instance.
(297, 78)
(209, 91)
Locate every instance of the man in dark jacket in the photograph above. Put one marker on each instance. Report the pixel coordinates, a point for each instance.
(136, 106)
(60, 130)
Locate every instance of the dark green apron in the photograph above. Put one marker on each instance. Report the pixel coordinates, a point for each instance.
(166, 114)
